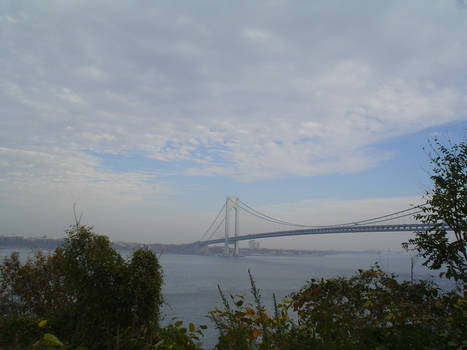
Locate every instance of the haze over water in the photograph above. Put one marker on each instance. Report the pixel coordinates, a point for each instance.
(190, 281)
(190, 288)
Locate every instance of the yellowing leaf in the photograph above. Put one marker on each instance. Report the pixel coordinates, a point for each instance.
(191, 326)
(250, 311)
(42, 323)
(256, 333)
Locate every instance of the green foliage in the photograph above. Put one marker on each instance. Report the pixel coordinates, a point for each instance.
(88, 293)
(244, 325)
(35, 288)
(177, 337)
(145, 277)
(97, 280)
(370, 310)
(48, 342)
(445, 203)
(373, 310)
(18, 332)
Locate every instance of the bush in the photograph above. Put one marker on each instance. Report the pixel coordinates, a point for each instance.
(88, 293)
(244, 325)
(371, 310)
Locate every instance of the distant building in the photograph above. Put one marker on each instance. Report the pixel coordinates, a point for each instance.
(253, 244)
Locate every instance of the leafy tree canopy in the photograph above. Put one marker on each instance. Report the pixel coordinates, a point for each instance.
(446, 204)
(89, 294)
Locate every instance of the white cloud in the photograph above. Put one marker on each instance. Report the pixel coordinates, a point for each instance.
(68, 176)
(70, 96)
(251, 91)
(255, 34)
(91, 72)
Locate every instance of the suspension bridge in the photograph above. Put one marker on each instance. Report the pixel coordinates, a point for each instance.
(228, 216)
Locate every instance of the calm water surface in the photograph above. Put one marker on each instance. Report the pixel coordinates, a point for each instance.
(190, 281)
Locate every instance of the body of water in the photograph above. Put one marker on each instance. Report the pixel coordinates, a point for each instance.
(190, 281)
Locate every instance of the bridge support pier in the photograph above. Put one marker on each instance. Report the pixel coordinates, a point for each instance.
(231, 203)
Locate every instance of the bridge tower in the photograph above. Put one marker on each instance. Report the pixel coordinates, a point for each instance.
(231, 204)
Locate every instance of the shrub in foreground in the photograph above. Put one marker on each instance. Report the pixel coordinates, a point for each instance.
(371, 310)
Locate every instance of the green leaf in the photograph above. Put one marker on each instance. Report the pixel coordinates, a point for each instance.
(51, 340)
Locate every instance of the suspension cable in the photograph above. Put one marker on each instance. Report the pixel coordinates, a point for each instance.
(396, 217)
(263, 216)
(387, 215)
(270, 218)
(212, 223)
(217, 228)
(251, 211)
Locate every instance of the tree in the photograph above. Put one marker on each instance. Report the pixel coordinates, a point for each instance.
(446, 204)
(34, 288)
(87, 292)
(145, 286)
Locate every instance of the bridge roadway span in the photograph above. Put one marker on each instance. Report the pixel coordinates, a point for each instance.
(326, 230)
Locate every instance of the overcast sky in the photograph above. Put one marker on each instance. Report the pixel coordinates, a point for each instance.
(148, 114)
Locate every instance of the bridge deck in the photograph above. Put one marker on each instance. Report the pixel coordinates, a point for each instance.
(327, 230)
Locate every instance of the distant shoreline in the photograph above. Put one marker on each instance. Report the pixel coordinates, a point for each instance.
(19, 242)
